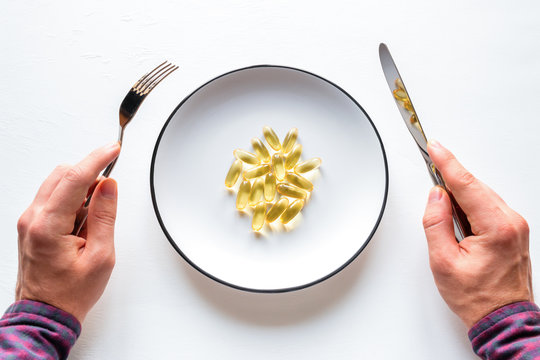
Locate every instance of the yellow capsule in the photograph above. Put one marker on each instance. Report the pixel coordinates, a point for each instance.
(277, 209)
(278, 163)
(399, 84)
(293, 157)
(256, 171)
(307, 165)
(290, 140)
(243, 195)
(271, 138)
(407, 105)
(246, 157)
(292, 211)
(414, 121)
(299, 181)
(233, 174)
(256, 193)
(260, 149)
(258, 216)
(269, 187)
(400, 94)
(291, 191)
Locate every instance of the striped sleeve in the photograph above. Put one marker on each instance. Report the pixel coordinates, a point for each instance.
(34, 330)
(511, 332)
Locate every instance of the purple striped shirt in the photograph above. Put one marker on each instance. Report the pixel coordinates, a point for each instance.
(511, 332)
(34, 330)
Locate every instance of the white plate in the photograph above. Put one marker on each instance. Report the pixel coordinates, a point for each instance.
(197, 213)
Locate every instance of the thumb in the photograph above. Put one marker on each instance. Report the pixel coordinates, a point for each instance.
(439, 226)
(102, 216)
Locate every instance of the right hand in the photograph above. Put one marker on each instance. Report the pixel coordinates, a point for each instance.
(484, 271)
(55, 267)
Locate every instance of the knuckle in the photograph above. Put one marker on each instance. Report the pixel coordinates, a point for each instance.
(431, 220)
(465, 179)
(39, 229)
(36, 231)
(62, 168)
(522, 225)
(74, 174)
(23, 223)
(507, 232)
(104, 217)
(510, 231)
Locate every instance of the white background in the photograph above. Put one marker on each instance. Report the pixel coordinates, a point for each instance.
(473, 70)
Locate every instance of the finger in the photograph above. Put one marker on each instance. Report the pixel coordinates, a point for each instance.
(48, 186)
(439, 226)
(92, 187)
(71, 191)
(101, 218)
(481, 204)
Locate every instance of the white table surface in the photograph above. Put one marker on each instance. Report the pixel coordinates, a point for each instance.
(473, 70)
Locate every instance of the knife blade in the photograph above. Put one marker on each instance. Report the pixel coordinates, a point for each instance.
(462, 228)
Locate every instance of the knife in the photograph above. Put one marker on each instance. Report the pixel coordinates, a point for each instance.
(462, 228)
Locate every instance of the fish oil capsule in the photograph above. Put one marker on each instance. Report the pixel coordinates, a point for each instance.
(292, 211)
(291, 191)
(399, 84)
(307, 165)
(278, 163)
(407, 105)
(260, 150)
(400, 94)
(414, 121)
(277, 209)
(290, 140)
(233, 174)
(243, 195)
(269, 187)
(246, 157)
(256, 193)
(256, 171)
(293, 157)
(299, 181)
(258, 216)
(271, 138)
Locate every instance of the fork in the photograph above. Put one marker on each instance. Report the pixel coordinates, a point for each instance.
(128, 109)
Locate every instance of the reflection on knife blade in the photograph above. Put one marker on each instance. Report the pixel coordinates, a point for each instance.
(402, 98)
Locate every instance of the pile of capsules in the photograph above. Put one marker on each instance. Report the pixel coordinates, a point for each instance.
(268, 174)
(403, 99)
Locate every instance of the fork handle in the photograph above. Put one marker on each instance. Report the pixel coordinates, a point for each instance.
(80, 219)
(82, 215)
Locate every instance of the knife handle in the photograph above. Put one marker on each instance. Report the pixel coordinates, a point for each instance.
(462, 227)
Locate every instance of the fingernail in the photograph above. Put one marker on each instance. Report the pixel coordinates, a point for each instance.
(108, 189)
(435, 194)
(113, 146)
(435, 144)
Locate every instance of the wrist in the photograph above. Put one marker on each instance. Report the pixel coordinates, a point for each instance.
(490, 311)
(65, 308)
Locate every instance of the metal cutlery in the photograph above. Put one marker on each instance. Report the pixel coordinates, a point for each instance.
(462, 228)
(128, 108)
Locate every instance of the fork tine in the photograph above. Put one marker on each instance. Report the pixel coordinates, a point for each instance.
(148, 74)
(151, 78)
(149, 87)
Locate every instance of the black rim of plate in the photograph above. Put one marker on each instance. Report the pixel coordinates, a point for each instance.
(282, 290)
